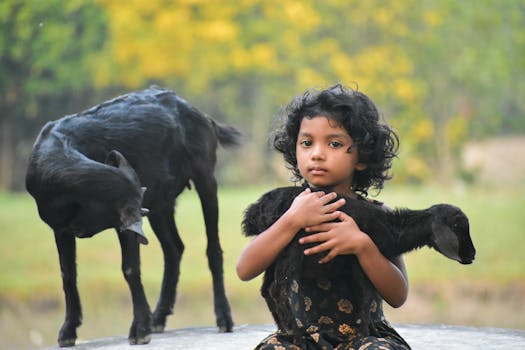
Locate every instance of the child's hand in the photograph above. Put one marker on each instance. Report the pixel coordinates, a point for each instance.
(339, 238)
(313, 208)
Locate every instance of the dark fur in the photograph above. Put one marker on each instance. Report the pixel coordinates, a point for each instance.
(442, 227)
(88, 171)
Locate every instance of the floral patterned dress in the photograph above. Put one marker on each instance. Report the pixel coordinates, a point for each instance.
(325, 316)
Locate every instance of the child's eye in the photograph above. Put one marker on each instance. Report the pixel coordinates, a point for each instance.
(306, 143)
(335, 144)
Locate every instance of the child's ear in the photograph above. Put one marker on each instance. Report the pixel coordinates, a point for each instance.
(360, 166)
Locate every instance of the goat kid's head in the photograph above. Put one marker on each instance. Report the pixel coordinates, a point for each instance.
(451, 233)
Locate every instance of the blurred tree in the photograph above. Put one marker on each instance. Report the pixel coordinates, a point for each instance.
(440, 71)
(471, 59)
(245, 58)
(45, 62)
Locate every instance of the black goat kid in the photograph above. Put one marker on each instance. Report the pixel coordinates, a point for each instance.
(442, 227)
(89, 172)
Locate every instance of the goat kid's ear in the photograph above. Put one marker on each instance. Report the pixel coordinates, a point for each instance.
(116, 159)
(445, 241)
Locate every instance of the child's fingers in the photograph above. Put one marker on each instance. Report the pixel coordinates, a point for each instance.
(316, 237)
(318, 248)
(327, 198)
(331, 254)
(323, 227)
(344, 216)
(335, 205)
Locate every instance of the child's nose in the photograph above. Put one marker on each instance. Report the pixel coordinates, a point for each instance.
(318, 152)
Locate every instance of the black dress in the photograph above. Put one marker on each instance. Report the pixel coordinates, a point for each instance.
(325, 316)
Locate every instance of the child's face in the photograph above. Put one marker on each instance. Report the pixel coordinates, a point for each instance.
(323, 158)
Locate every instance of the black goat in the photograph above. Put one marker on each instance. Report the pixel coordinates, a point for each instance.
(89, 172)
(442, 227)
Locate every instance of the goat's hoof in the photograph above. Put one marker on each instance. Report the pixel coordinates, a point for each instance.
(225, 324)
(66, 343)
(140, 331)
(140, 340)
(68, 334)
(159, 328)
(225, 329)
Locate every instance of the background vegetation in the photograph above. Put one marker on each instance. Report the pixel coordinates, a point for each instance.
(442, 72)
(446, 74)
(490, 292)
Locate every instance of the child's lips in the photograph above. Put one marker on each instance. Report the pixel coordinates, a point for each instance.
(317, 171)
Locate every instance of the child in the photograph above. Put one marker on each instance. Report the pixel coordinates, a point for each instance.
(332, 139)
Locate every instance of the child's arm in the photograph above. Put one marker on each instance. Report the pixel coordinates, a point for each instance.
(345, 237)
(308, 208)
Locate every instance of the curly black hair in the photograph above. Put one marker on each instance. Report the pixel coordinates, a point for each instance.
(375, 140)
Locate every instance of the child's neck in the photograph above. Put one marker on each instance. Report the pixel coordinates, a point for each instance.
(349, 193)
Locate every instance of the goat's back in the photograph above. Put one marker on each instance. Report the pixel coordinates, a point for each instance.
(140, 125)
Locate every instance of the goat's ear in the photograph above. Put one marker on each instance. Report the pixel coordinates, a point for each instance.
(444, 240)
(116, 159)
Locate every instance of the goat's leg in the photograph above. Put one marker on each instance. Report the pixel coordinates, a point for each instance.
(163, 224)
(66, 247)
(140, 330)
(206, 186)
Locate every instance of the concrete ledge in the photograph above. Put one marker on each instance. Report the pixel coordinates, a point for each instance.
(420, 337)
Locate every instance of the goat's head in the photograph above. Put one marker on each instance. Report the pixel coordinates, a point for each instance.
(451, 233)
(130, 207)
(91, 197)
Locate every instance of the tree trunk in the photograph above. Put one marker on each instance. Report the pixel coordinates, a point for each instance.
(254, 157)
(444, 161)
(6, 154)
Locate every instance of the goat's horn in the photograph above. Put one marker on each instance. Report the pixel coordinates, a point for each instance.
(136, 228)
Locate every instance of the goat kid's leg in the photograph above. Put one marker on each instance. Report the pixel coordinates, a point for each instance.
(207, 189)
(140, 330)
(66, 247)
(163, 224)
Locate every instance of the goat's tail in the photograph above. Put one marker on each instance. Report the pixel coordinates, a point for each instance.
(227, 135)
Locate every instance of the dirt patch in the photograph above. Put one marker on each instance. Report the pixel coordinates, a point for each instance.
(482, 304)
(496, 160)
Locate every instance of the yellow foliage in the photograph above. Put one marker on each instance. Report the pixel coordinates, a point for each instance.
(422, 130)
(407, 91)
(240, 59)
(384, 16)
(299, 11)
(456, 130)
(202, 41)
(417, 168)
(217, 30)
(432, 18)
(263, 55)
(308, 78)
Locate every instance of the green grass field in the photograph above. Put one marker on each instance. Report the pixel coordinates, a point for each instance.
(489, 292)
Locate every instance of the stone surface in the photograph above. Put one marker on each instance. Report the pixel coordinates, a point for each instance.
(420, 337)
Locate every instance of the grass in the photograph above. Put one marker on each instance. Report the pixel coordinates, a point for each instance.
(31, 301)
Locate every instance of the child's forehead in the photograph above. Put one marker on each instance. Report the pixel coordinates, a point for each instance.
(321, 121)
